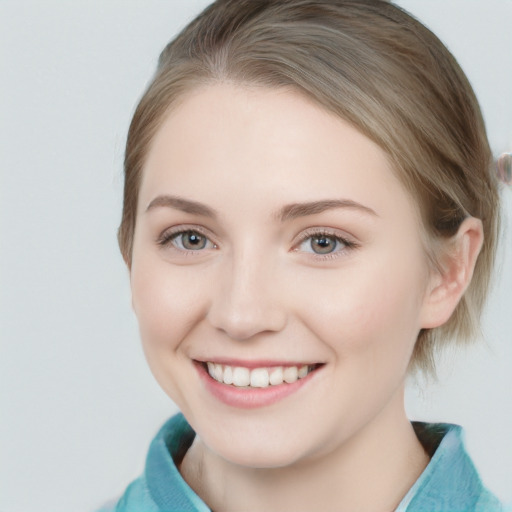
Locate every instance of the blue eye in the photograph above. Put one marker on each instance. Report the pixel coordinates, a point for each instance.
(323, 244)
(188, 240)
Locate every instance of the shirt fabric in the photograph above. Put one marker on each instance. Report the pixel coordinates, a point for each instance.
(450, 482)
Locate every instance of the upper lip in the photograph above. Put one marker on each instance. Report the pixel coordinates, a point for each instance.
(259, 363)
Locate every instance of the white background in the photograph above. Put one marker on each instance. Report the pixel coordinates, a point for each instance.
(78, 406)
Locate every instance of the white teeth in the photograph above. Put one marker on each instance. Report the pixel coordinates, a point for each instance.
(276, 376)
(228, 375)
(259, 378)
(240, 376)
(217, 372)
(290, 374)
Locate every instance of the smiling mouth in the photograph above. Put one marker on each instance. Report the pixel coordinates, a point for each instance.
(264, 377)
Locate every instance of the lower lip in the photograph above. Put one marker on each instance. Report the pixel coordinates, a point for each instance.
(249, 398)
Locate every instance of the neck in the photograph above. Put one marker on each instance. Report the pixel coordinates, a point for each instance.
(371, 471)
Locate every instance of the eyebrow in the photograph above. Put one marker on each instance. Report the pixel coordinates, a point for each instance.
(287, 212)
(292, 211)
(185, 205)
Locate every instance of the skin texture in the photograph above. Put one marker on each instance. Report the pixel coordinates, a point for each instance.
(258, 291)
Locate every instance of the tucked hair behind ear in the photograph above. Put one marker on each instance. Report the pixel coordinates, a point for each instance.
(371, 64)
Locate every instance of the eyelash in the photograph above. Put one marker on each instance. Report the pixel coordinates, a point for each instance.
(319, 233)
(167, 237)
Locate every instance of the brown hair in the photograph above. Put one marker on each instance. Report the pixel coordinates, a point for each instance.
(370, 63)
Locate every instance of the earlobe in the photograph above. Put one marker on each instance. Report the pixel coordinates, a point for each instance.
(448, 284)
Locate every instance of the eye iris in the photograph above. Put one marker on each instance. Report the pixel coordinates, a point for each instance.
(193, 241)
(323, 244)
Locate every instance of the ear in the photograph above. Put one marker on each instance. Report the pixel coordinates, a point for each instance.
(447, 285)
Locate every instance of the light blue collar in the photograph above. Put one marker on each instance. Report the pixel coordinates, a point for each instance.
(450, 482)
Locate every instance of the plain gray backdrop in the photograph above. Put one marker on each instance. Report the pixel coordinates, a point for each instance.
(78, 406)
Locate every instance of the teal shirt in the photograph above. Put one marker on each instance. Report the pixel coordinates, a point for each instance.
(450, 482)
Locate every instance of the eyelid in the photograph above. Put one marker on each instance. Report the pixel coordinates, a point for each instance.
(165, 238)
(349, 241)
(324, 231)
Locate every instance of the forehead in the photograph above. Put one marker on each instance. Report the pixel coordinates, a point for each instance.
(225, 141)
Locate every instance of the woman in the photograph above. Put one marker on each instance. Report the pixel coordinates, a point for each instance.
(309, 213)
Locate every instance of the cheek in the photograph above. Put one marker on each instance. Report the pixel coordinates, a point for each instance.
(167, 301)
(371, 315)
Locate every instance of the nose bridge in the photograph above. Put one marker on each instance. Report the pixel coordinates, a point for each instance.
(248, 301)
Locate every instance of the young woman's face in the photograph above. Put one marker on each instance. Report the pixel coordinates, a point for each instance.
(274, 242)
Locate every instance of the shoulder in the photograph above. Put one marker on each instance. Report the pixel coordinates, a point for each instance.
(450, 481)
(136, 498)
(487, 502)
(161, 487)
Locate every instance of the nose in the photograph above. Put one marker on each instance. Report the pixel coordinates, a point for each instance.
(248, 300)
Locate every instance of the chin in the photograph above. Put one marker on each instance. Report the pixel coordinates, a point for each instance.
(260, 444)
(260, 456)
